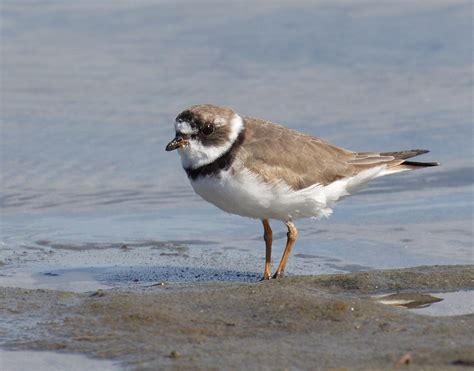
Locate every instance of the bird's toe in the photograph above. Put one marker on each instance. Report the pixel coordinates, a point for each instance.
(278, 275)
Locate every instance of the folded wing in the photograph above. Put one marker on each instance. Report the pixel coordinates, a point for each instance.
(279, 154)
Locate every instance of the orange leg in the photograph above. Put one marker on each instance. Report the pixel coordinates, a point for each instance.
(268, 237)
(291, 238)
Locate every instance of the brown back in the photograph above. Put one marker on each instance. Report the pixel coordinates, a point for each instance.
(275, 152)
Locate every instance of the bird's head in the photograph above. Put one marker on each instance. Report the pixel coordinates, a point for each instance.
(204, 133)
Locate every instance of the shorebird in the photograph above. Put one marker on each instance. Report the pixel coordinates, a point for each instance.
(258, 169)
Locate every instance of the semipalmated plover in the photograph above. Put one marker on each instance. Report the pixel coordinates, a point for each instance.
(258, 169)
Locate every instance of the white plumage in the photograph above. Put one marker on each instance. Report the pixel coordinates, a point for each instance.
(244, 193)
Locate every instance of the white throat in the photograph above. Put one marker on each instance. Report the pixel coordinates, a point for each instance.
(195, 155)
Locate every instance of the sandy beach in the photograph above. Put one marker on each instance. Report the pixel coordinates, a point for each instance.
(302, 322)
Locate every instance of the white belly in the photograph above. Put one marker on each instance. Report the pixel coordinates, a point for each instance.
(244, 193)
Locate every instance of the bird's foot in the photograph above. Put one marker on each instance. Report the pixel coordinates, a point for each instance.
(278, 275)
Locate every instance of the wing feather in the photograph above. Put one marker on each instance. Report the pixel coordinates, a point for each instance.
(279, 154)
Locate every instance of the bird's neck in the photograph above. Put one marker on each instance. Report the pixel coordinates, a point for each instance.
(223, 162)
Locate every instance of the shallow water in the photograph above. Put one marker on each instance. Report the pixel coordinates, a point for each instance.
(51, 361)
(456, 303)
(453, 304)
(89, 95)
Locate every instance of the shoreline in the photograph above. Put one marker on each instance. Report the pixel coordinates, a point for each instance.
(320, 322)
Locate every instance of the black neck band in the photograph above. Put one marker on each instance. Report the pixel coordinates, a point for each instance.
(223, 162)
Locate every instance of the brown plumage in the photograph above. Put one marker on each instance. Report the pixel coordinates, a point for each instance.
(275, 152)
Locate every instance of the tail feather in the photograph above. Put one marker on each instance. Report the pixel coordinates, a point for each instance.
(394, 162)
(402, 155)
(408, 165)
(416, 165)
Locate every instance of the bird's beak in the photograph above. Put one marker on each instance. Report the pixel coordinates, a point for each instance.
(176, 143)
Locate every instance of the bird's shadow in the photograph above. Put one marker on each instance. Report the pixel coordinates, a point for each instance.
(120, 276)
(177, 274)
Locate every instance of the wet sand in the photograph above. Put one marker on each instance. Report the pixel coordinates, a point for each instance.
(301, 322)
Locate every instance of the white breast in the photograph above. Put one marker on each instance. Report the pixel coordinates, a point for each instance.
(243, 193)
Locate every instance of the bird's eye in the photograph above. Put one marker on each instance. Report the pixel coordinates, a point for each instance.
(208, 129)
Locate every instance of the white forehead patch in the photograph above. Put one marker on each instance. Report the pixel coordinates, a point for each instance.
(219, 121)
(184, 127)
